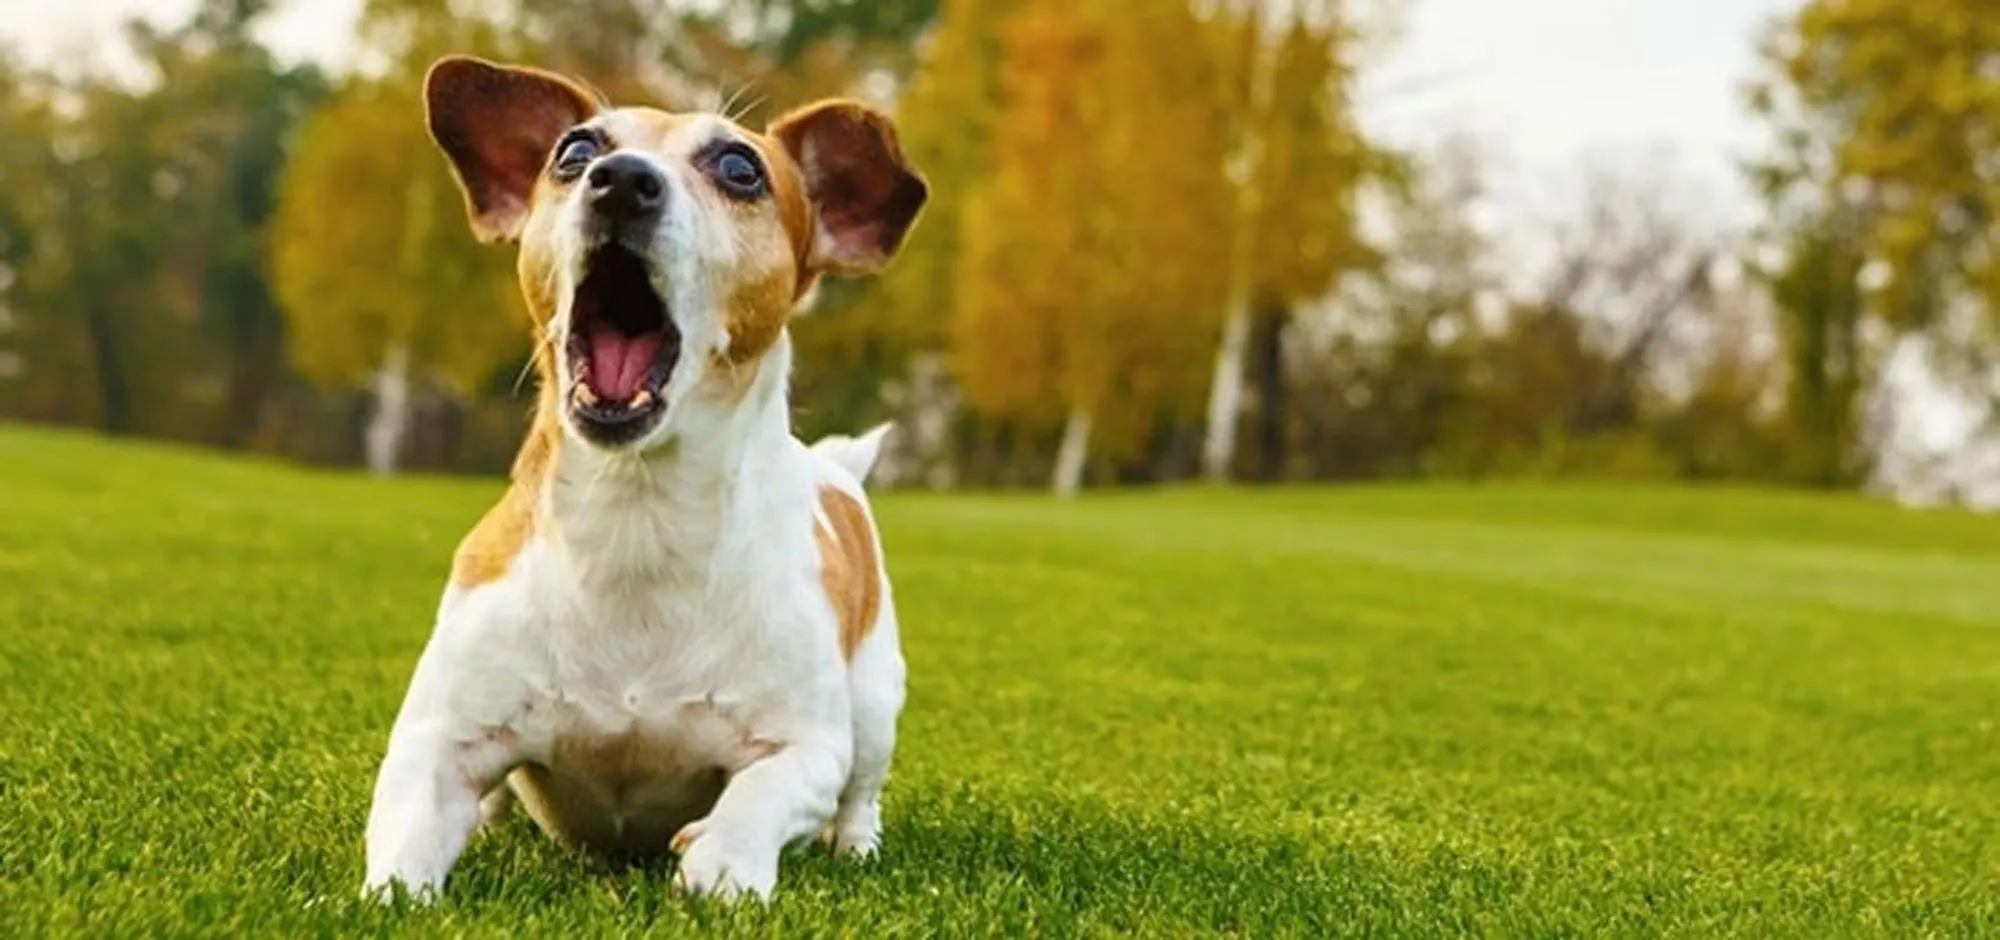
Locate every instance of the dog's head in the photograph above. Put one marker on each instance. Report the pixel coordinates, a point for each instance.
(663, 253)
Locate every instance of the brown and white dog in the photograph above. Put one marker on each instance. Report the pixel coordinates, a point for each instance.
(674, 632)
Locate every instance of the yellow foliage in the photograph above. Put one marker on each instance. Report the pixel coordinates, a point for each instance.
(1092, 272)
(1077, 254)
(371, 252)
(946, 118)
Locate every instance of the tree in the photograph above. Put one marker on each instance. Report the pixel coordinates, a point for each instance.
(380, 281)
(1083, 295)
(139, 273)
(25, 161)
(1297, 164)
(947, 119)
(1887, 118)
(1905, 97)
(234, 111)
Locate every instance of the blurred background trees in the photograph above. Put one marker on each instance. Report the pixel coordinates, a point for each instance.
(1161, 247)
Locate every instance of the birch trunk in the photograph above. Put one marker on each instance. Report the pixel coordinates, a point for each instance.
(390, 422)
(1071, 456)
(1225, 389)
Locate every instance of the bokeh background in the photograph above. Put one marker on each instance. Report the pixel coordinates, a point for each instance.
(1271, 240)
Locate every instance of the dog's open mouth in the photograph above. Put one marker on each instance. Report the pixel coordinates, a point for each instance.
(622, 347)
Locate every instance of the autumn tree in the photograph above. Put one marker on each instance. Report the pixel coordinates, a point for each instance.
(1017, 277)
(381, 282)
(1297, 162)
(946, 118)
(1085, 294)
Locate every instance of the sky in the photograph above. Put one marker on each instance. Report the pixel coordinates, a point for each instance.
(1547, 87)
(1551, 86)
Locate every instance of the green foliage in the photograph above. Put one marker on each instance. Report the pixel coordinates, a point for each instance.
(1822, 310)
(1885, 115)
(1378, 711)
(1906, 96)
(137, 219)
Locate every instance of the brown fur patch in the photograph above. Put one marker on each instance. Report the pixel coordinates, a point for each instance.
(490, 548)
(849, 572)
(774, 239)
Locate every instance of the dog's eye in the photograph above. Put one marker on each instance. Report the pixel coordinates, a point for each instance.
(739, 174)
(575, 152)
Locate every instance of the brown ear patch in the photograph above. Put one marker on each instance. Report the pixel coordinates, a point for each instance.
(497, 125)
(864, 192)
(850, 572)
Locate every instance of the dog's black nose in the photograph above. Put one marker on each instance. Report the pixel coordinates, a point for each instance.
(627, 188)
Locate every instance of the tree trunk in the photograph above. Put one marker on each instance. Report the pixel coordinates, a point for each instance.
(1225, 396)
(254, 363)
(114, 395)
(1268, 350)
(1072, 455)
(1225, 389)
(389, 423)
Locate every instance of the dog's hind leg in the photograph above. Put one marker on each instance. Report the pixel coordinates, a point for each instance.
(876, 680)
(495, 806)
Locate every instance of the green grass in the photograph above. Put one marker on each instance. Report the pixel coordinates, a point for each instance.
(1384, 711)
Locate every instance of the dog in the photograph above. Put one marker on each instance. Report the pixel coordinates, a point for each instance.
(674, 632)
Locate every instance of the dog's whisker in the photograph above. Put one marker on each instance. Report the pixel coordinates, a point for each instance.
(729, 101)
(753, 105)
(529, 366)
(729, 109)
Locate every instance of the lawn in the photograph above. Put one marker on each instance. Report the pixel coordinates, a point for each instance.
(1387, 711)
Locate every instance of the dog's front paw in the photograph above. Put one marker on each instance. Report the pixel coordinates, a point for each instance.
(855, 833)
(388, 889)
(712, 867)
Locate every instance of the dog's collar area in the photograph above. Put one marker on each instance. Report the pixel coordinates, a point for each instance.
(622, 347)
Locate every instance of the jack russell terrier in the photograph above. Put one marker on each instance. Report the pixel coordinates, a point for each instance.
(674, 631)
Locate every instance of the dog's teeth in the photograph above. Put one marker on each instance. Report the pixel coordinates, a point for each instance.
(584, 394)
(641, 400)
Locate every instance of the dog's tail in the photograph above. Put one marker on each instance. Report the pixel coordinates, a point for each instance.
(856, 455)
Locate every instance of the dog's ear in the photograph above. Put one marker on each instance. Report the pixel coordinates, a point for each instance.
(864, 192)
(497, 124)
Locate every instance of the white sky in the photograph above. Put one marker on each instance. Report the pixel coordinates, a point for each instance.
(1553, 85)
(1546, 85)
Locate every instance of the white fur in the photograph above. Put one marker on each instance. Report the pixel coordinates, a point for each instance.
(668, 629)
(856, 455)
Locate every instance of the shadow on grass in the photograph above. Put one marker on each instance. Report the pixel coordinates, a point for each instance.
(959, 864)
(955, 866)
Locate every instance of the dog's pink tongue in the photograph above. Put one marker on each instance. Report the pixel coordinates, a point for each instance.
(618, 363)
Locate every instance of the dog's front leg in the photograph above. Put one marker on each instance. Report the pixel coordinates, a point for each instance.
(766, 806)
(427, 793)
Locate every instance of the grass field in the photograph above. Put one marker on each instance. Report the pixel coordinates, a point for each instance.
(1383, 711)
